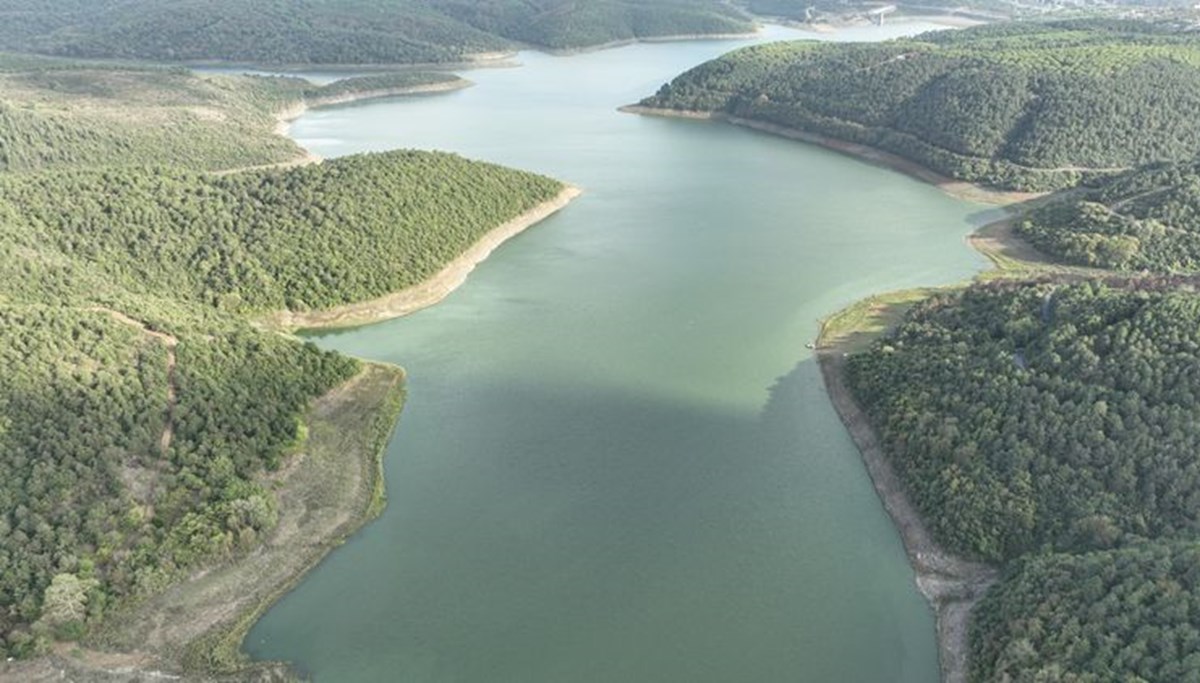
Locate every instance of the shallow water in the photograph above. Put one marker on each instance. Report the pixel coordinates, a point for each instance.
(618, 462)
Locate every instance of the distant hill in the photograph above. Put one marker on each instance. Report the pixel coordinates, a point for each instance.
(1032, 106)
(343, 31)
(1148, 219)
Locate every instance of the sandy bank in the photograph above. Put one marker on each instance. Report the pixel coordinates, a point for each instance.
(955, 188)
(430, 291)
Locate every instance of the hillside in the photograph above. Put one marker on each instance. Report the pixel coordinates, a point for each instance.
(63, 114)
(145, 423)
(1029, 106)
(311, 237)
(343, 31)
(1147, 219)
(1031, 416)
(1121, 615)
(1048, 428)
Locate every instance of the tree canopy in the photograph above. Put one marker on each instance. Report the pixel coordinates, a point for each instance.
(140, 412)
(1031, 106)
(1148, 219)
(343, 31)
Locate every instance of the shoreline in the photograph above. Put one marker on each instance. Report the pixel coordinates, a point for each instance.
(952, 586)
(290, 112)
(959, 189)
(194, 629)
(624, 42)
(482, 60)
(431, 290)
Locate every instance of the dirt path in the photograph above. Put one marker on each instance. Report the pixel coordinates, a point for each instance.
(169, 342)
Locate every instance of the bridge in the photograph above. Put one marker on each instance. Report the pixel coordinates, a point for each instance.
(876, 15)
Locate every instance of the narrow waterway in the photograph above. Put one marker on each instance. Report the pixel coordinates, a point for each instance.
(618, 463)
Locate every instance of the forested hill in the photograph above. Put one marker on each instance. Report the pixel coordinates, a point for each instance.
(1120, 615)
(65, 114)
(141, 413)
(1024, 417)
(62, 113)
(343, 31)
(1028, 421)
(310, 237)
(1147, 219)
(1030, 106)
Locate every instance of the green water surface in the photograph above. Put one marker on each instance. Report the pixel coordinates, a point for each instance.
(618, 462)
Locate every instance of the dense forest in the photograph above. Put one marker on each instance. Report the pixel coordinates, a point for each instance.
(343, 31)
(61, 113)
(1148, 219)
(1033, 106)
(139, 409)
(303, 238)
(1050, 428)
(1131, 614)
(1024, 417)
(120, 468)
(68, 114)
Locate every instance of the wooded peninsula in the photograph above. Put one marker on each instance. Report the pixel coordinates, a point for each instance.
(149, 427)
(1043, 426)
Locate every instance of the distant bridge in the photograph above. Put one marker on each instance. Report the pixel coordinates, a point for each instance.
(876, 15)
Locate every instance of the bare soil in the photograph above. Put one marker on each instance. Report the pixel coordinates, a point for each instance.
(428, 292)
(324, 494)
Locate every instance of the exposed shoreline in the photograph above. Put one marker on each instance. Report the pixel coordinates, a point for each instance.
(430, 291)
(959, 189)
(481, 60)
(679, 37)
(951, 585)
(194, 629)
(297, 109)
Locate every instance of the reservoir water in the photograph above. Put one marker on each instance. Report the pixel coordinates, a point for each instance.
(617, 462)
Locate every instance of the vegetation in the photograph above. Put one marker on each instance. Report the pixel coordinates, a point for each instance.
(140, 413)
(1049, 427)
(67, 115)
(1040, 416)
(398, 82)
(1121, 615)
(311, 237)
(342, 31)
(562, 25)
(95, 496)
(1031, 106)
(1147, 219)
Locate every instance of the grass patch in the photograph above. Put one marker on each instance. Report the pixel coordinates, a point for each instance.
(852, 329)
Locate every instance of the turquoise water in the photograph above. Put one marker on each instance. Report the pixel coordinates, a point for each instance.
(618, 462)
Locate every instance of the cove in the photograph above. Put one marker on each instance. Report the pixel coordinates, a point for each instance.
(617, 462)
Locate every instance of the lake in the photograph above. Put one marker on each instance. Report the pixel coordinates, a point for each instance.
(617, 462)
